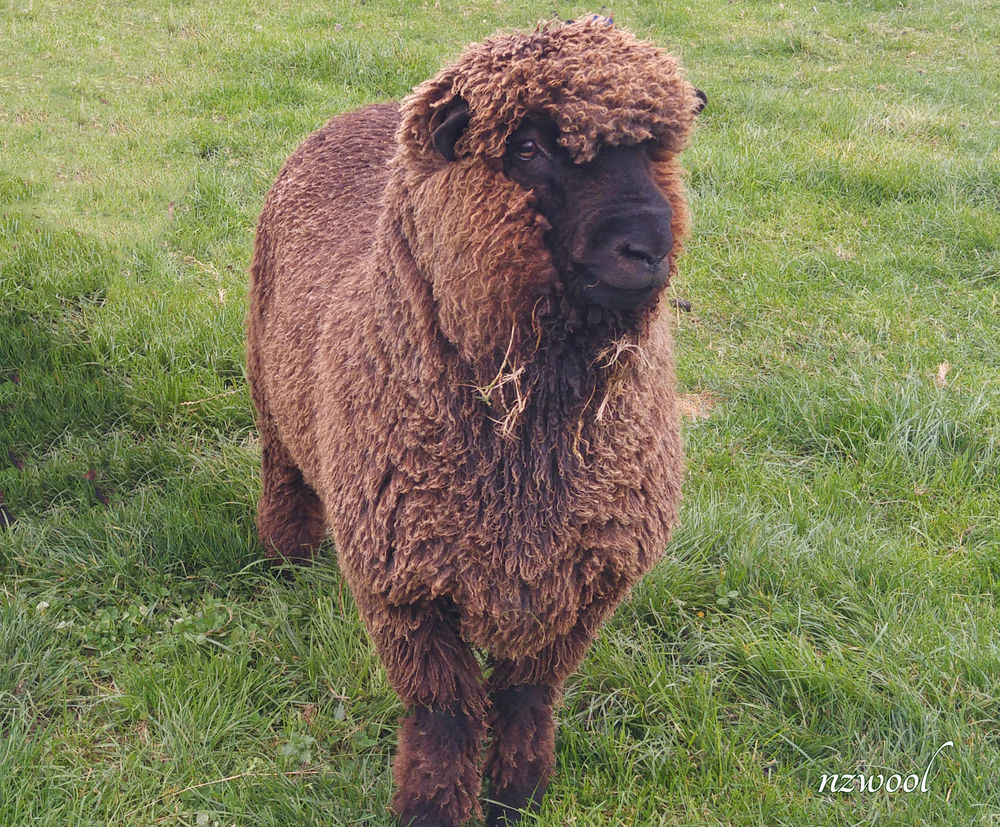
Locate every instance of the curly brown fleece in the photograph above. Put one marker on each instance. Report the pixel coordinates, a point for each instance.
(497, 470)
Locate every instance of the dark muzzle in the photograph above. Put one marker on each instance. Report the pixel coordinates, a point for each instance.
(624, 263)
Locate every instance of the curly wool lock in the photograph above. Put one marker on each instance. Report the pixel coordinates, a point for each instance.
(496, 467)
(598, 84)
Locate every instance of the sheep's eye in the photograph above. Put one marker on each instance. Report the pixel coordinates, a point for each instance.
(526, 150)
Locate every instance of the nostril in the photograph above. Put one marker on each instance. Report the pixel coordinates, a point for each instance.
(631, 242)
(644, 255)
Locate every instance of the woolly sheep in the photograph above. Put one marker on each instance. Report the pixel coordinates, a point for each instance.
(463, 371)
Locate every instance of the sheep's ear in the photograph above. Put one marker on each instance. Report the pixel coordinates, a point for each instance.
(702, 101)
(448, 127)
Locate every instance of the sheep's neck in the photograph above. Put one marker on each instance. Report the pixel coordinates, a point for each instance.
(550, 368)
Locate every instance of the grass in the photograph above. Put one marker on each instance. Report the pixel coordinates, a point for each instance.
(830, 604)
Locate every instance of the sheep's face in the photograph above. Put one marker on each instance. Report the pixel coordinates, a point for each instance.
(535, 167)
(610, 226)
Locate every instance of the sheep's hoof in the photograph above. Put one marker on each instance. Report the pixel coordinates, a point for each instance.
(292, 544)
(500, 815)
(283, 569)
(508, 806)
(424, 821)
(503, 817)
(296, 558)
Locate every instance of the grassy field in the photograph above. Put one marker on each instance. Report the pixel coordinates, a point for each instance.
(831, 602)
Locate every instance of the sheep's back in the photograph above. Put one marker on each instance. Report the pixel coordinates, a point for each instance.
(326, 199)
(311, 257)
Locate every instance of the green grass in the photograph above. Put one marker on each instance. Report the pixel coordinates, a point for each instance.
(830, 604)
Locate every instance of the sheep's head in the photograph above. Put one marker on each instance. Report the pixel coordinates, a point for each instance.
(542, 163)
(609, 223)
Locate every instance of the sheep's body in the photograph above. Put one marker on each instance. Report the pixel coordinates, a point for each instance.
(536, 527)
(491, 480)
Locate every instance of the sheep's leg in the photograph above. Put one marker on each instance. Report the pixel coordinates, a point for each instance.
(437, 769)
(521, 756)
(290, 520)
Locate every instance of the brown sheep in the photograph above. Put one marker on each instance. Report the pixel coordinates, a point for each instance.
(463, 371)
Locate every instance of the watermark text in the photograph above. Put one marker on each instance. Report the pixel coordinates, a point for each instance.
(861, 783)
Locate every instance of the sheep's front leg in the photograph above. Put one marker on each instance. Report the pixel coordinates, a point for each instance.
(437, 769)
(521, 756)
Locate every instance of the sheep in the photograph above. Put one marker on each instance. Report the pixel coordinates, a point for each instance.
(463, 372)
